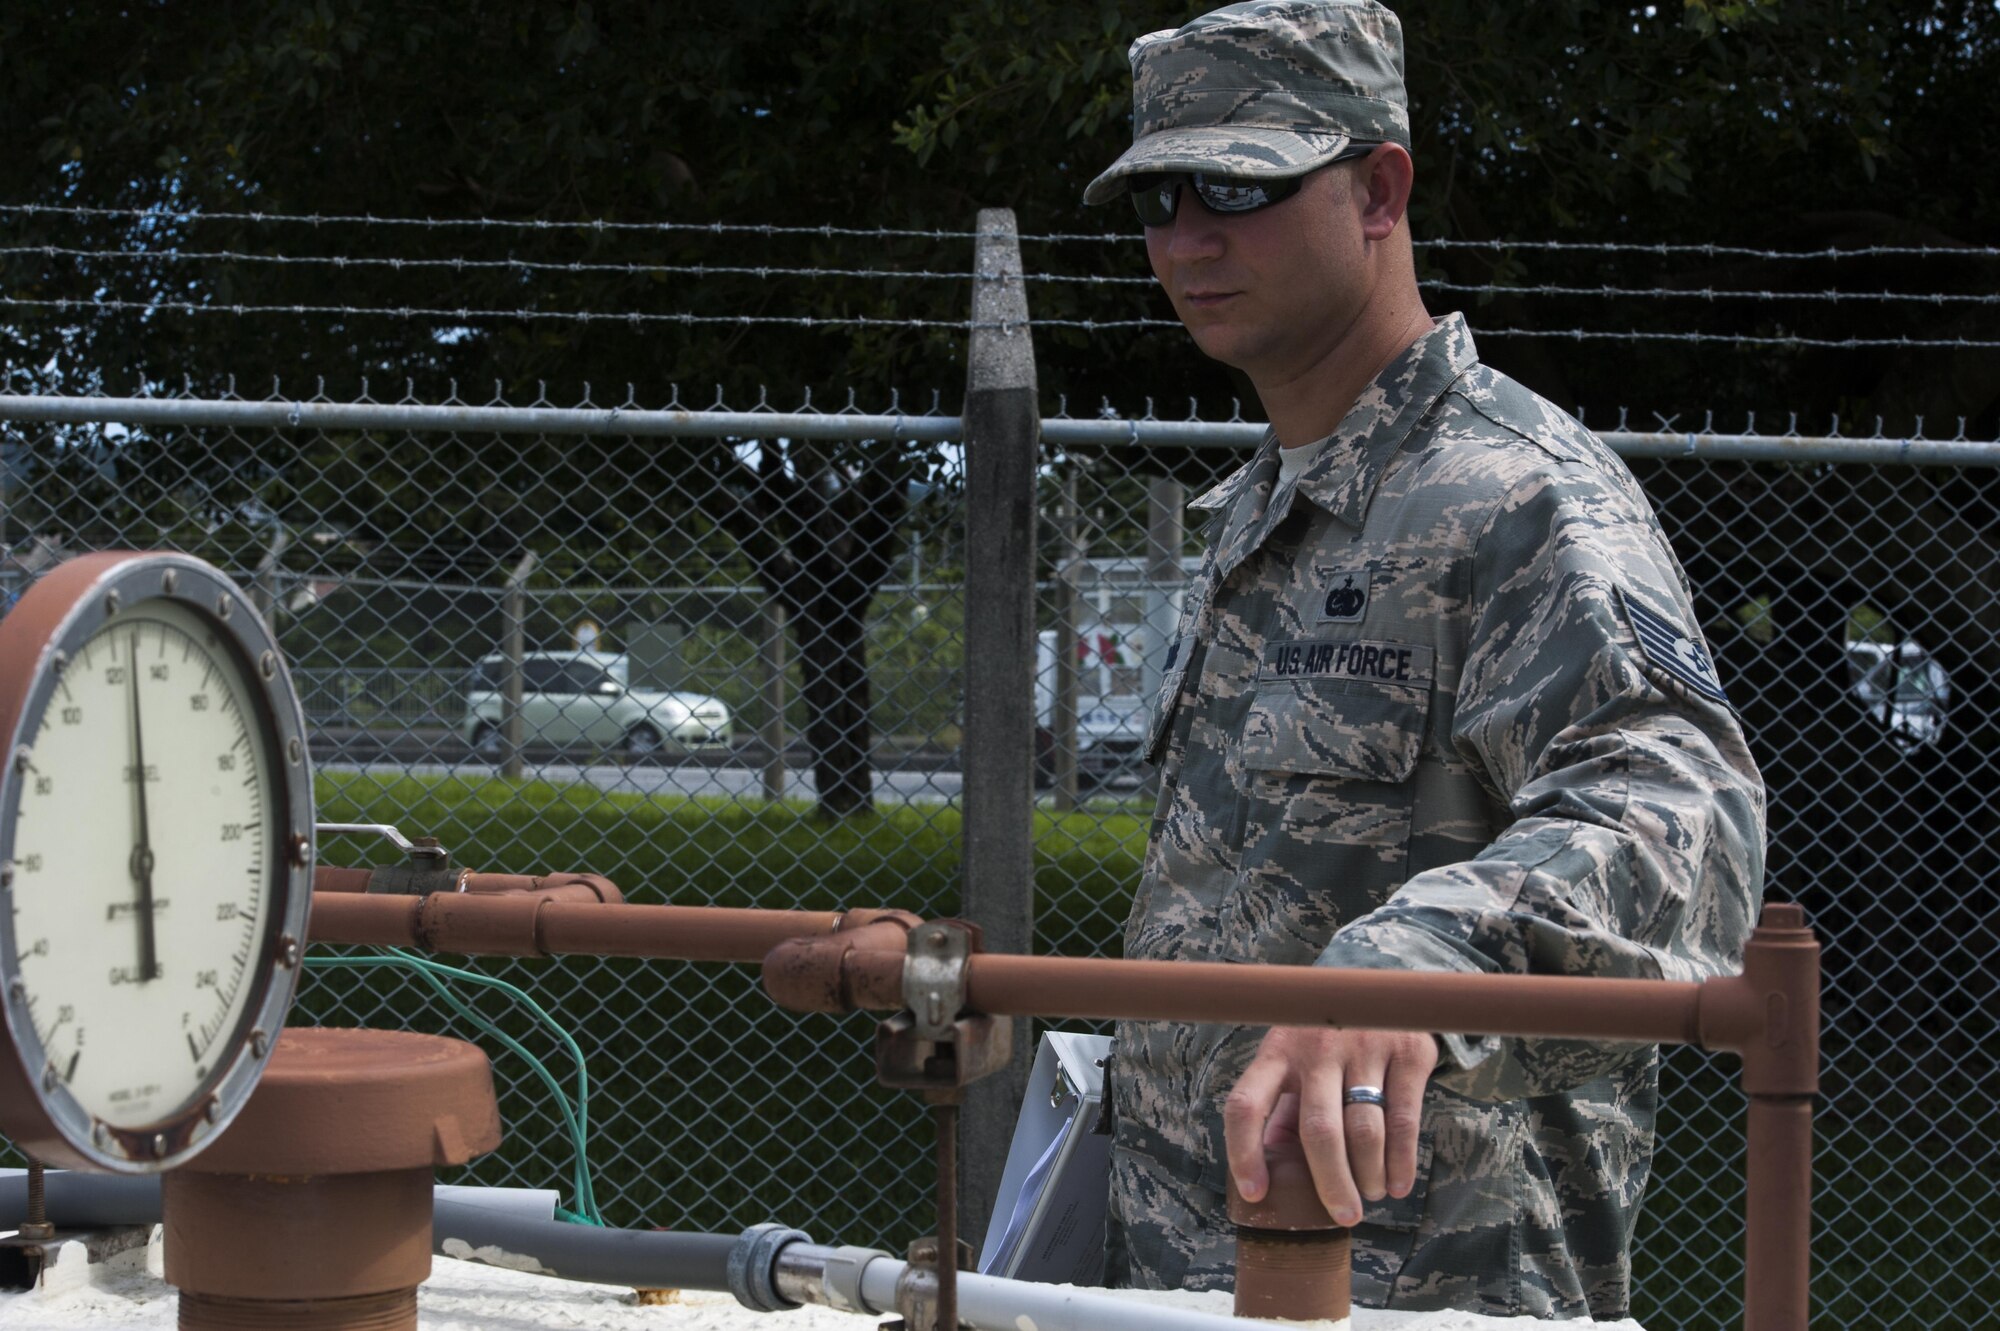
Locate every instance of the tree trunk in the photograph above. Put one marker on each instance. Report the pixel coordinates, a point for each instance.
(834, 652)
(822, 538)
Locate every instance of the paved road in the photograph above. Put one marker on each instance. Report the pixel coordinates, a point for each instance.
(893, 786)
(742, 782)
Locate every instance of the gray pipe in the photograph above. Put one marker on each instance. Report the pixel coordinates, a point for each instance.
(83, 1201)
(860, 1280)
(767, 1267)
(79, 1201)
(508, 1227)
(660, 1259)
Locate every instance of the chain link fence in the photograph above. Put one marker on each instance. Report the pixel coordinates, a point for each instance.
(718, 654)
(718, 641)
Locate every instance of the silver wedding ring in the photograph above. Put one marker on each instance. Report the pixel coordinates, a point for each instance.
(1363, 1095)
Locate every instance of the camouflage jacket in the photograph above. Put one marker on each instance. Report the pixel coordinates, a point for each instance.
(1441, 705)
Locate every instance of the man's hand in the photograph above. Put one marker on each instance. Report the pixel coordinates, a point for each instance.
(1296, 1085)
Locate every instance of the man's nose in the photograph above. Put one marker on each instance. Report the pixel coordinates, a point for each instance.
(1195, 233)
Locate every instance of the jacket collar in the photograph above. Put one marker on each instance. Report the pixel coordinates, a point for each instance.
(1343, 477)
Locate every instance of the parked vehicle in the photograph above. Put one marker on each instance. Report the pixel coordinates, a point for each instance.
(1111, 713)
(583, 699)
(1904, 690)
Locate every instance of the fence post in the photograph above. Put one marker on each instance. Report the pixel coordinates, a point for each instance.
(514, 617)
(772, 732)
(1166, 534)
(1002, 444)
(1062, 712)
(264, 588)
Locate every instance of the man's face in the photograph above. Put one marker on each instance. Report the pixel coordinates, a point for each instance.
(1270, 292)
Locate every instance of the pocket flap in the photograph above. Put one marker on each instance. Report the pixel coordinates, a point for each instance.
(1335, 727)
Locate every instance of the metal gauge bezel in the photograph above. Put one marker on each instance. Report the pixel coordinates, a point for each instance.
(43, 632)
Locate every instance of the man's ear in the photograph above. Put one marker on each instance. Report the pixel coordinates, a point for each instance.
(1386, 174)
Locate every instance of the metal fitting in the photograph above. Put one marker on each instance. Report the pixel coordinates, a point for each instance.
(934, 976)
(751, 1264)
(917, 1298)
(841, 1279)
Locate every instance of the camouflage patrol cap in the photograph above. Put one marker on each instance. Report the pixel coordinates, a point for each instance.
(1269, 88)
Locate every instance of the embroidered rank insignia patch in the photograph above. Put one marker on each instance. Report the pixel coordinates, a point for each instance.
(1673, 651)
(1346, 597)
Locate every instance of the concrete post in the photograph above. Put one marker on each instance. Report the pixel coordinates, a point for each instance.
(1002, 443)
(1062, 712)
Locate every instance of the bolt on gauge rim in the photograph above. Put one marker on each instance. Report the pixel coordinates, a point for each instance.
(155, 859)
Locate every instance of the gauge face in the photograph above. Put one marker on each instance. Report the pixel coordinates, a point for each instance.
(155, 869)
(138, 926)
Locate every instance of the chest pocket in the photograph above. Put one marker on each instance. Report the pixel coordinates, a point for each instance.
(1328, 781)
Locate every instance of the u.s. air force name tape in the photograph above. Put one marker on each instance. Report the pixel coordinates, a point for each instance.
(1672, 650)
(1386, 662)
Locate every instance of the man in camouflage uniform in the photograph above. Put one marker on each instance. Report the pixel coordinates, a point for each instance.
(1438, 701)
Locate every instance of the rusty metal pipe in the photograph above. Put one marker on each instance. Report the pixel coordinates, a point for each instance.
(1778, 1020)
(1100, 988)
(403, 880)
(524, 924)
(1292, 1261)
(1777, 1228)
(815, 975)
(573, 886)
(357, 917)
(330, 878)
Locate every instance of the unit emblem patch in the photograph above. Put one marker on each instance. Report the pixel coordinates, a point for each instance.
(1346, 597)
(1672, 650)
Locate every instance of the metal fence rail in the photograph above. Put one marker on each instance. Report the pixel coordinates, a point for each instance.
(929, 427)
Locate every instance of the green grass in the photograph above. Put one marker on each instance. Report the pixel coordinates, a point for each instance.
(711, 1108)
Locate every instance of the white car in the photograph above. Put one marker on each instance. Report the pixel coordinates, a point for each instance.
(583, 699)
(1904, 690)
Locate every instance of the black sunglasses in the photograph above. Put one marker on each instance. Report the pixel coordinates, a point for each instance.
(1156, 197)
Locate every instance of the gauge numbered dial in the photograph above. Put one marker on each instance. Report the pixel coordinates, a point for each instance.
(155, 841)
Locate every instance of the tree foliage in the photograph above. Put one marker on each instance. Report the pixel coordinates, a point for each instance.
(1808, 122)
(1782, 123)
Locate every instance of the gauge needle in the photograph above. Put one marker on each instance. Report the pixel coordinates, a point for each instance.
(142, 853)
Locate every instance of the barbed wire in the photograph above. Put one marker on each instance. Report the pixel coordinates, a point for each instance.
(767, 271)
(1711, 251)
(1661, 249)
(488, 223)
(469, 315)
(1610, 334)
(1714, 294)
(462, 264)
(642, 317)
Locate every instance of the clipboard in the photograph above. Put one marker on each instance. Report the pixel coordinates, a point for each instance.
(1048, 1219)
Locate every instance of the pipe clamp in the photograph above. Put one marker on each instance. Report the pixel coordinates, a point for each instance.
(934, 976)
(917, 1298)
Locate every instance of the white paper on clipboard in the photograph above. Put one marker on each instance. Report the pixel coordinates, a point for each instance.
(1048, 1220)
